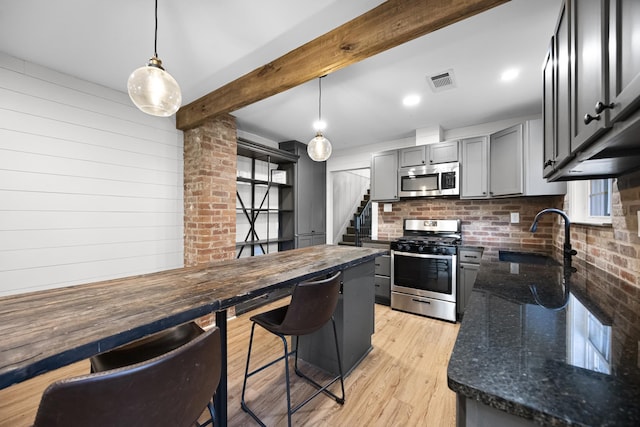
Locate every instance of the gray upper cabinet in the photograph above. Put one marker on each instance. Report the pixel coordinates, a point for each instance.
(474, 179)
(596, 41)
(532, 149)
(588, 72)
(562, 131)
(429, 154)
(557, 67)
(548, 110)
(384, 176)
(624, 60)
(506, 162)
(413, 156)
(443, 152)
(310, 196)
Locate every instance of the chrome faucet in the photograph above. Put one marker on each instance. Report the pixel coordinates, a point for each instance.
(568, 252)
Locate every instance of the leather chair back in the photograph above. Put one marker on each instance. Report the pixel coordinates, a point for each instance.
(170, 390)
(312, 305)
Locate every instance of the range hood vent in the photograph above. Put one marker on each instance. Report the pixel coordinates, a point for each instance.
(442, 81)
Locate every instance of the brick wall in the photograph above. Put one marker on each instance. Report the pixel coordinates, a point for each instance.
(614, 248)
(210, 163)
(484, 222)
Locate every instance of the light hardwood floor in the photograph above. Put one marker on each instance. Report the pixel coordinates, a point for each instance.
(402, 382)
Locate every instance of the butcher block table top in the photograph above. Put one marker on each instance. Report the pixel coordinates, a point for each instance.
(45, 330)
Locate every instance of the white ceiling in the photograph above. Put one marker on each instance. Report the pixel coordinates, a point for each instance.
(207, 43)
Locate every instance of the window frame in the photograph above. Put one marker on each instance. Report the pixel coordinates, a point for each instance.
(578, 193)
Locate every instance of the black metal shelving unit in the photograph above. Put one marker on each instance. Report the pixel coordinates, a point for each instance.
(256, 206)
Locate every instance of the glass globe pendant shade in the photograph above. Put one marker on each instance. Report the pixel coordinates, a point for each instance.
(319, 148)
(153, 90)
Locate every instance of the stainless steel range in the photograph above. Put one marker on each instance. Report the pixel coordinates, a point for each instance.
(423, 268)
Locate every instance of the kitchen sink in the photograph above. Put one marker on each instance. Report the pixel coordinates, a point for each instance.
(526, 258)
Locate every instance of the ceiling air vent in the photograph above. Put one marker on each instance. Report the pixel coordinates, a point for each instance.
(442, 81)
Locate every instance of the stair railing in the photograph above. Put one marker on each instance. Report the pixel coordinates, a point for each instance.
(363, 224)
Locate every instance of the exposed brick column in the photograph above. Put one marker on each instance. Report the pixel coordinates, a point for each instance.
(210, 165)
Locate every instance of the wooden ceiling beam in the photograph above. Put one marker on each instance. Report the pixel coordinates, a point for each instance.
(391, 24)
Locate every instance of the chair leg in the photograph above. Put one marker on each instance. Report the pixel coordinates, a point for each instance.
(243, 404)
(335, 336)
(286, 375)
(320, 388)
(212, 417)
(248, 374)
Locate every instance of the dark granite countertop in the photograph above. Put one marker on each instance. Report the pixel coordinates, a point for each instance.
(568, 355)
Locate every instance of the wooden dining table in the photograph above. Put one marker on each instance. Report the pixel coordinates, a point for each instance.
(45, 330)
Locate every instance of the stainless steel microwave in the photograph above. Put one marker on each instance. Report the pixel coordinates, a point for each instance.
(441, 179)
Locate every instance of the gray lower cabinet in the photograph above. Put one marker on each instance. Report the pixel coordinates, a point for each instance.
(354, 318)
(382, 273)
(383, 279)
(468, 267)
(305, 240)
(471, 413)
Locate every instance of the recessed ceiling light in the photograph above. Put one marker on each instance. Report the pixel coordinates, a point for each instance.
(510, 74)
(411, 100)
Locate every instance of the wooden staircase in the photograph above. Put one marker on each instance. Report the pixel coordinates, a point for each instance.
(349, 238)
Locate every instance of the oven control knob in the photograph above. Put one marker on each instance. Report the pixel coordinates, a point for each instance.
(421, 248)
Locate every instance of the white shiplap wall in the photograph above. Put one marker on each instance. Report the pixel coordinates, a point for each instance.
(90, 187)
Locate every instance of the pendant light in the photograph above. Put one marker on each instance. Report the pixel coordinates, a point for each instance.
(319, 148)
(151, 88)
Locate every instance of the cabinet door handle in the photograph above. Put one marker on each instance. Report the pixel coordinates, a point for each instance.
(601, 106)
(588, 118)
(548, 163)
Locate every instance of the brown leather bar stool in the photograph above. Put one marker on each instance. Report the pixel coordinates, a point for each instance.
(148, 348)
(168, 390)
(311, 307)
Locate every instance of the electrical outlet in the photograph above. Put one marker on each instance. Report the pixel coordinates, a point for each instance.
(514, 268)
(515, 217)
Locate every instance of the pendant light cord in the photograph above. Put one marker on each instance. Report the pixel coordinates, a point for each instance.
(320, 98)
(155, 37)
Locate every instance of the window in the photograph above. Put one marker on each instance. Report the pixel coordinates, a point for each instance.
(590, 201)
(600, 197)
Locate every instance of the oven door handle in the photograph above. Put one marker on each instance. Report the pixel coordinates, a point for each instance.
(431, 256)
